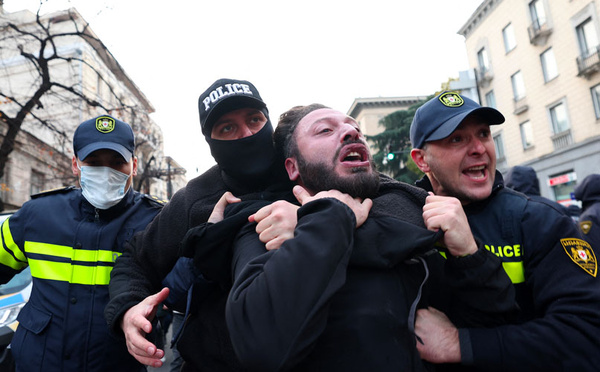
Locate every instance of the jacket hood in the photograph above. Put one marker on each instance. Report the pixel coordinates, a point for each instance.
(589, 190)
(523, 179)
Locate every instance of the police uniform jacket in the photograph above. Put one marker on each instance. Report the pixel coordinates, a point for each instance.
(589, 220)
(555, 276)
(337, 298)
(70, 248)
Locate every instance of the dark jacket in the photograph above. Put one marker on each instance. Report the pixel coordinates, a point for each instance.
(335, 298)
(525, 180)
(70, 247)
(152, 254)
(589, 220)
(554, 272)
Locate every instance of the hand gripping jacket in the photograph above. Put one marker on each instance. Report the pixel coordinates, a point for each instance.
(70, 247)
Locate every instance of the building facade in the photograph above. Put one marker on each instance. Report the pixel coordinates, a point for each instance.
(538, 62)
(88, 77)
(369, 111)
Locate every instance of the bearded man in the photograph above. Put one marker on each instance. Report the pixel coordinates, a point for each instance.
(342, 293)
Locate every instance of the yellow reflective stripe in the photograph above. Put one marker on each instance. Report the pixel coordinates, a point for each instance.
(70, 253)
(515, 271)
(70, 271)
(8, 243)
(67, 272)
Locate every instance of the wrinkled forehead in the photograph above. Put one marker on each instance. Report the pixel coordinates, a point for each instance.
(323, 115)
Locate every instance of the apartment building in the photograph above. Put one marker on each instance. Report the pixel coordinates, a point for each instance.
(91, 71)
(538, 62)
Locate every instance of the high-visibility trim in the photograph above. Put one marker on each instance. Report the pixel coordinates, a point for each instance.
(10, 254)
(515, 271)
(67, 272)
(70, 253)
(87, 267)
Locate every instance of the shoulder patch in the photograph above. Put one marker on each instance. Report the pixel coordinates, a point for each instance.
(582, 254)
(585, 226)
(154, 200)
(57, 190)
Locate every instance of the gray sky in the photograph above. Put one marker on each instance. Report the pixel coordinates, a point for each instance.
(295, 52)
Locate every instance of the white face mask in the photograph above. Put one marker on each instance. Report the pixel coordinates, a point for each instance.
(103, 187)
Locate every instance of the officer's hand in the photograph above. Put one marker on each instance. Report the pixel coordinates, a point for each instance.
(275, 223)
(360, 207)
(440, 337)
(136, 325)
(446, 213)
(219, 208)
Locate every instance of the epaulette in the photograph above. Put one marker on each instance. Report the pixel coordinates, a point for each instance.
(57, 190)
(154, 200)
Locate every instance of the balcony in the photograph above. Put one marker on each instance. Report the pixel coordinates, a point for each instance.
(589, 63)
(520, 105)
(539, 31)
(562, 139)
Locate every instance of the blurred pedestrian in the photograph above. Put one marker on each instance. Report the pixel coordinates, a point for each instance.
(589, 220)
(524, 179)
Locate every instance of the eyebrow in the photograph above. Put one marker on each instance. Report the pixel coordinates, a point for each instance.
(331, 118)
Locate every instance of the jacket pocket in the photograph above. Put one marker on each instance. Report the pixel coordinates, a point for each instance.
(29, 342)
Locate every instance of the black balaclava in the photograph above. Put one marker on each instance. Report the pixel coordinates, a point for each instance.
(246, 159)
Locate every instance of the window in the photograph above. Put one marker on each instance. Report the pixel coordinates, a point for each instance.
(518, 86)
(558, 116)
(538, 14)
(499, 144)
(526, 134)
(490, 99)
(508, 33)
(587, 37)
(37, 182)
(549, 65)
(596, 99)
(482, 60)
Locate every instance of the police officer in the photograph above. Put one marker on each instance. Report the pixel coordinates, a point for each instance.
(70, 238)
(553, 269)
(235, 123)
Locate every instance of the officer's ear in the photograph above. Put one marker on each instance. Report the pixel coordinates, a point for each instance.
(134, 165)
(74, 166)
(418, 156)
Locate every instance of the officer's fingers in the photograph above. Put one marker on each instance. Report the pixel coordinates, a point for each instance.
(301, 194)
(230, 198)
(157, 298)
(219, 208)
(261, 214)
(147, 354)
(274, 243)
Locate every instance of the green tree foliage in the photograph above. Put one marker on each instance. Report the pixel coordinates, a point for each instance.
(396, 139)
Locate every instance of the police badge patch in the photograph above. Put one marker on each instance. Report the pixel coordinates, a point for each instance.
(105, 124)
(451, 99)
(585, 226)
(582, 254)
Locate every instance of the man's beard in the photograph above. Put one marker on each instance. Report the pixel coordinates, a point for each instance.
(322, 177)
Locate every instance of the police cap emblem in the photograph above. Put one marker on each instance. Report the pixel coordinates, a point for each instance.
(451, 99)
(105, 124)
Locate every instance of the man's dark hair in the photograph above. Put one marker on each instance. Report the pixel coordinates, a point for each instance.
(288, 121)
